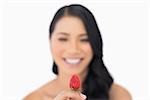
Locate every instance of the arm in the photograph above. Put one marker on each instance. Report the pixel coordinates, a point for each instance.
(119, 93)
(36, 96)
(61, 96)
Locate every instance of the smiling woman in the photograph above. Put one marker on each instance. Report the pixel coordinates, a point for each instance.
(76, 47)
(74, 51)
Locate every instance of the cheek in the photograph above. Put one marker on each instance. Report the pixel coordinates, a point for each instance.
(88, 50)
(57, 49)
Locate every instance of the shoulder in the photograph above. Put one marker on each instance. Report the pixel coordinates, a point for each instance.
(117, 92)
(35, 95)
(40, 94)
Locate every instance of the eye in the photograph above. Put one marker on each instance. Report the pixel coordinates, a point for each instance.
(62, 39)
(84, 40)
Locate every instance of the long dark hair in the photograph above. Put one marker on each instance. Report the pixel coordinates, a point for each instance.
(98, 80)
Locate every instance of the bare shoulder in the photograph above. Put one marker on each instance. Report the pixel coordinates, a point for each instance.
(117, 92)
(35, 95)
(41, 93)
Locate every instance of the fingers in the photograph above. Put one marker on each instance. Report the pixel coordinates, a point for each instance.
(75, 95)
(70, 95)
(83, 96)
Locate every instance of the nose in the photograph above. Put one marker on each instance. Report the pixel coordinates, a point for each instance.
(74, 47)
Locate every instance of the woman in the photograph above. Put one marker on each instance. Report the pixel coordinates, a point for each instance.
(76, 46)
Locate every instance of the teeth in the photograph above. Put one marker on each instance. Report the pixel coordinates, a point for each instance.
(73, 61)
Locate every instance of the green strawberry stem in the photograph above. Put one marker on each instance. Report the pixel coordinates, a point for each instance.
(77, 90)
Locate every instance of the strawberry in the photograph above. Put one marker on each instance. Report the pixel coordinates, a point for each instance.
(75, 82)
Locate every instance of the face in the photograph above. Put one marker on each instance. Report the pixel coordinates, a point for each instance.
(71, 49)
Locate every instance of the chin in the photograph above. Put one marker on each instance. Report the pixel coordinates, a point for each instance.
(71, 73)
(79, 72)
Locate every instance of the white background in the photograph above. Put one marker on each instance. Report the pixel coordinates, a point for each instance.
(26, 58)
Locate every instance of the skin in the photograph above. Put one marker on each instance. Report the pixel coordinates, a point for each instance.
(69, 40)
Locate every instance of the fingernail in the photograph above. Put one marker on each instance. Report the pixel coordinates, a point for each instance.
(83, 96)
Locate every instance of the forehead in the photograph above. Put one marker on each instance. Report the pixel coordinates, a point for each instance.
(70, 24)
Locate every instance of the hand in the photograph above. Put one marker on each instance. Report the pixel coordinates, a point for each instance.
(70, 95)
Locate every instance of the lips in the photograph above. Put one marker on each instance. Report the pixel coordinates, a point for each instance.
(73, 60)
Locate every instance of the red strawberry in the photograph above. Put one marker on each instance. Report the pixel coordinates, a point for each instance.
(75, 82)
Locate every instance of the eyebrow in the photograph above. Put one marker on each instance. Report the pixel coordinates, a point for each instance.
(67, 34)
(63, 33)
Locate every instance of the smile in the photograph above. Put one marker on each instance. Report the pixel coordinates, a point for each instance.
(73, 61)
